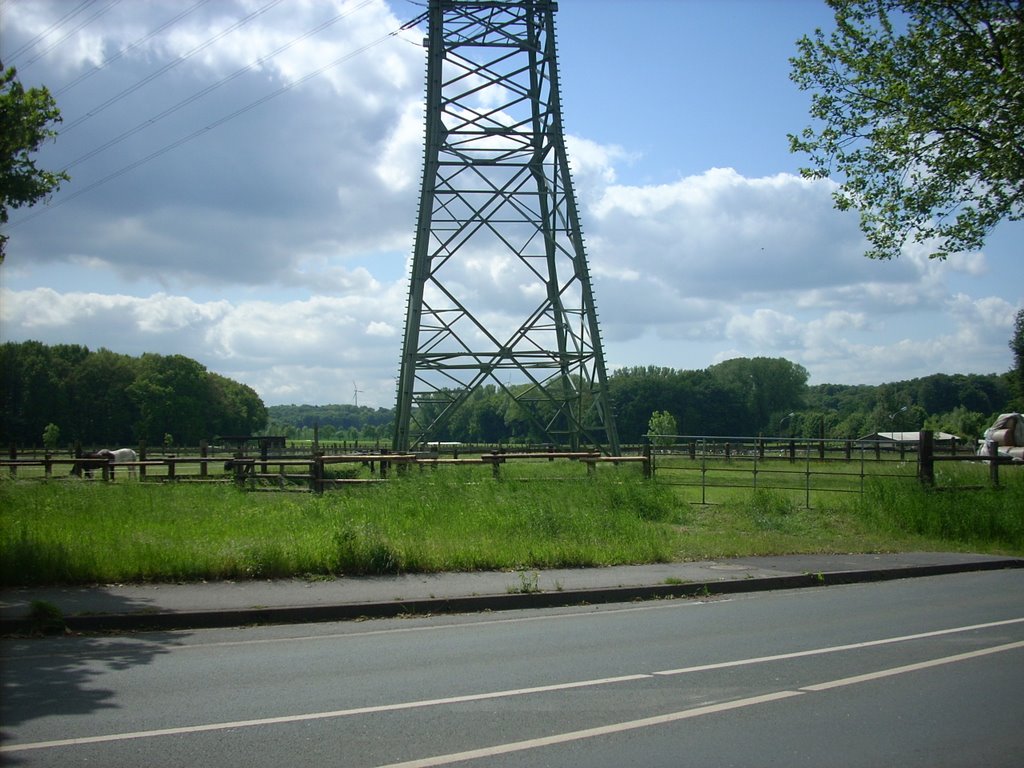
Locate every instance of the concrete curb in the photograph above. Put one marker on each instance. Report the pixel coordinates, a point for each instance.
(213, 619)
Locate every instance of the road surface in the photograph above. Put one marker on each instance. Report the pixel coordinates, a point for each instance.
(916, 672)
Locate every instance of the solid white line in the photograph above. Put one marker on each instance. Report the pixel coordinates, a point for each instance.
(912, 667)
(283, 719)
(836, 648)
(319, 715)
(589, 733)
(647, 722)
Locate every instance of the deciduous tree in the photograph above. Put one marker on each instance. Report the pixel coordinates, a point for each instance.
(1017, 345)
(27, 118)
(919, 115)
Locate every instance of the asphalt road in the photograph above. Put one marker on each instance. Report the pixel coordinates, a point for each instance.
(916, 672)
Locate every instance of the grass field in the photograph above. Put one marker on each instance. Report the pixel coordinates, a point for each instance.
(460, 518)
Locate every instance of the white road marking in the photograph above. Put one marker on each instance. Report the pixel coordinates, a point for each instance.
(685, 714)
(319, 715)
(589, 733)
(708, 709)
(842, 682)
(836, 648)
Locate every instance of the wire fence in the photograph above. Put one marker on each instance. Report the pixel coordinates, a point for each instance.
(713, 469)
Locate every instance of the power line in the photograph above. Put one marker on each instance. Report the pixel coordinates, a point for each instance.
(69, 15)
(216, 124)
(132, 47)
(168, 67)
(72, 31)
(214, 86)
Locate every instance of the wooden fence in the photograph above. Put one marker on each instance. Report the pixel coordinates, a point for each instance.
(795, 465)
(288, 472)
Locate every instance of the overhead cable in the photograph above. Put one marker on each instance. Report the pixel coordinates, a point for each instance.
(212, 87)
(69, 15)
(168, 67)
(215, 124)
(72, 31)
(144, 39)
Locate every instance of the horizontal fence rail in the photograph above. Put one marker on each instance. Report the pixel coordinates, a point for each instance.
(709, 465)
(287, 471)
(705, 467)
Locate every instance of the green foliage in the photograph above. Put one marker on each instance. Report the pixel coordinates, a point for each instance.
(956, 403)
(105, 398)
(960, 422)
(741, 397)
(917, 109)
(663, 426)
(336, 422)
(51, 436)
(26, 120)
(1017, 345)
(45, 618)
(768, 386)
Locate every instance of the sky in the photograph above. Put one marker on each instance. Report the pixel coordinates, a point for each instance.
(245, 177)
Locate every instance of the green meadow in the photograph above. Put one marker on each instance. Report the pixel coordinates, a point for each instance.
(463, 519)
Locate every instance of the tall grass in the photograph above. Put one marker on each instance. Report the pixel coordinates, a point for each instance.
(959, 510)
(460, 518)
(79, 532)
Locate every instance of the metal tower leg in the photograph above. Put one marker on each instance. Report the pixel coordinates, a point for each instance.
(497, 195)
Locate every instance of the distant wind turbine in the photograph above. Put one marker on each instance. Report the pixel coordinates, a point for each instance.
(355, 393)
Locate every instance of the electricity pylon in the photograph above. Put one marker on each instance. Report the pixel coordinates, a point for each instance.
(497, 200)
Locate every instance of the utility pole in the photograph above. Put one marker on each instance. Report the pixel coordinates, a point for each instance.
(497, 199)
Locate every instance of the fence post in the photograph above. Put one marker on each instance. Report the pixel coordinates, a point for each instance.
(13, 455)
(204, 450)
(993, 463)
(317, 473)
(142, 458)
(792, 451)
(648, 460)
(926, 457)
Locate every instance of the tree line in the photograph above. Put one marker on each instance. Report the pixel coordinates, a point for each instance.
(101, 397)
(741, 397)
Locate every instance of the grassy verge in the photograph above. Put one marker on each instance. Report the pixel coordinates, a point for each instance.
(462, 519)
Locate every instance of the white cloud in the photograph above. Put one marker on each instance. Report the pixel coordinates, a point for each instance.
(274, 248)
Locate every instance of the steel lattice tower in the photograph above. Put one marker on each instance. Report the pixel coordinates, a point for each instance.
(497, 195)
